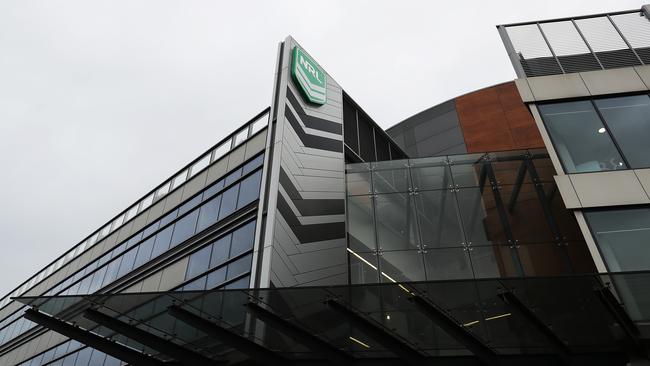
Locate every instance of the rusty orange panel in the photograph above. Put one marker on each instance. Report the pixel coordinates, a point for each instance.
(496, 119)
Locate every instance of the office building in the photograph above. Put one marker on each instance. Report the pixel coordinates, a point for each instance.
(505, 226)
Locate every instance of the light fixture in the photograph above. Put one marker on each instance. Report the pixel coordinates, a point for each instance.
(601, 130)
(470, 323)
(498, 316)
(358, 342)
(387, 316)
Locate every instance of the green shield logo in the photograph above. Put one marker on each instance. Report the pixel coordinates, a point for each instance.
(309, 76)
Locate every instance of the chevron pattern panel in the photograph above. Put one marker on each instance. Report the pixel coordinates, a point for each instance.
(308, 224)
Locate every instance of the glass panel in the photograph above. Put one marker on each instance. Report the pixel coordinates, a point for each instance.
(447, 264)
(220, 250)
(198, 262)
(196, 285)
(240, 266)
(242, 239)
(232, 177)
(564, 38)
(144, 252)
(622, 236)
(492, 261)
(216, 187)
(111, 271)
(628, 119)
(209, 213)
(168, 218)
(163, 190)
(83, 357)
(249, 189)
(163, 239)
(221, 150)
(358, 183)
(179, 179)
(187, 206)
(361, 230)
(389, 179)
(228, 201)
(466, 170)
(200, 165)
(216, 278)
(543, 259)
(127, 263)
(579, 137)
(240, 137)
(253, 164)
(259, 124)
(184, 228)
(396, 223)
(146, 202)
(480, 217)
(438, 219)
(526, 216)
(403, 265)
(239, 284)
(430, 173)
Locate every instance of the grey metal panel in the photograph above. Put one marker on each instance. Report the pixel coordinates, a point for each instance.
(644, 177)
(137, 287)
(255, 145)
(609, 188)
(173, 275)
(125, 231)
(173, 199)
(567, 191)
(236, 157)
(194, 185)
(644, 74)
(309, 155)
(152, 283)
(524, 90)
(156, 211)
(140, 221)
(613, 81)
(558, 87)
(217, 170)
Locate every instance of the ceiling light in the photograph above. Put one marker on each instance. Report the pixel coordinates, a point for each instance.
(358, 342)
(601, 130)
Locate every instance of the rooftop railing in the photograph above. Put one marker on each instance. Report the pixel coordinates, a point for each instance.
(577, 44)
(229, 143)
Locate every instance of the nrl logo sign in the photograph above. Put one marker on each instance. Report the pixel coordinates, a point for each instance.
(309, 76)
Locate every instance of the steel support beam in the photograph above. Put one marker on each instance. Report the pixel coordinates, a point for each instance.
(92, 340)
(610, 302)
(298, 334)
(246, 346)
(378, 333)
(161, 345)
(563, 352)
(521, 175)
(456, 331)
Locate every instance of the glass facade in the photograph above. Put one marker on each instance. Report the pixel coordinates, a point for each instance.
(601, 134)
(460, 216)
(169, 231)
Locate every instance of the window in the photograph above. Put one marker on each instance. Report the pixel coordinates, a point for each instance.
(623, 237)
(228, 201)
(240, 137)
(200, 165)
(162, 241)
(628, 119)
(199, 262)
(580, 138)
(220, 251)
(249, 189)
(259, 124)
(242, 239)
(209, 213)
(239, 267)
(184, 228)
(221, 150)
(179, 179)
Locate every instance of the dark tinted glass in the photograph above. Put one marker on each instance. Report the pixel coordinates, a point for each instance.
(196, 285)
(249, 189)
(350, 126)
(383, 152)
(127, 263)
(184, 228)
(242, 239)
(228, 201)
(162, 241)
(628, 119)
(623, 237)
(144, 252)
(232, 177)
(438, 218)
(366, 139)
(215, 278)
(198, 262)
(220, 250)
(253, 164)
(208, 193)
(580, 138)
(396, 223)
(189, 204)
(151, 229)
(209, 213)
(168, 218)
(84, 357)
(111, 271)
(240, 266)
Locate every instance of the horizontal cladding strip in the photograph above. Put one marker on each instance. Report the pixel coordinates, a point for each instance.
(313, 131)
(315, 142)
(313, 122)
(310, 233)
(310, 207)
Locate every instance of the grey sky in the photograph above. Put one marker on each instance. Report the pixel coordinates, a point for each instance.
(101, 101)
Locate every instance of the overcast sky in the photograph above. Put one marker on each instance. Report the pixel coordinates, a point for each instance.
(101, 101)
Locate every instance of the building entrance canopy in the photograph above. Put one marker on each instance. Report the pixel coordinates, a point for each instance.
(559, 320)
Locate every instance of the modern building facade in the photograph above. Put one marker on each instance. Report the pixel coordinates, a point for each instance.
(504, 226)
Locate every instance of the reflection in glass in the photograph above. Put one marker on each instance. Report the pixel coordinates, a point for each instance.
(628, 119)
(580, 138)
(622, 236)
(389, 181)
(438, 219)
(396, 223)
(403, 265)
(447, 264)
(361, 231)
(431, 173)
(479, 216)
